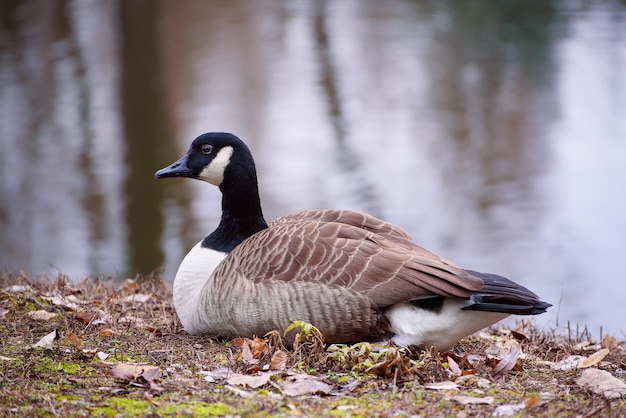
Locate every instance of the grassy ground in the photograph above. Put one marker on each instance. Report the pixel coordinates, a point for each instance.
(104, 349)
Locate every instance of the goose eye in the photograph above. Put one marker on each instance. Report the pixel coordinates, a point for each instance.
(206, 148)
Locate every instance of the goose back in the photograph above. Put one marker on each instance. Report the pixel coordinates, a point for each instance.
(336, 269)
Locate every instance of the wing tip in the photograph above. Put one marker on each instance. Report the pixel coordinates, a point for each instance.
(509, 307)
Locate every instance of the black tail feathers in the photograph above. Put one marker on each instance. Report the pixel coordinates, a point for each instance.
(500, 294)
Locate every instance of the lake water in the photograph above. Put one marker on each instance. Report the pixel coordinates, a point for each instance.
(494, 132)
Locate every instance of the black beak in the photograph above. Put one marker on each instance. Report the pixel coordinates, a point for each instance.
(178, 169)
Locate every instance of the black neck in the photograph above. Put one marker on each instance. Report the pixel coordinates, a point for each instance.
(242, 217)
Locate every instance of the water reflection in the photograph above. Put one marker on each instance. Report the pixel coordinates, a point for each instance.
(492, 86)
(346, 159)
(61, 168)
(493, 132)
(147, 129)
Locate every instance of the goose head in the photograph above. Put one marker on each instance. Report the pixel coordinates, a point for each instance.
(218, 158)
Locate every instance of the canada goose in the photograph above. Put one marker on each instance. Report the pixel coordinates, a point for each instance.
(351, 275)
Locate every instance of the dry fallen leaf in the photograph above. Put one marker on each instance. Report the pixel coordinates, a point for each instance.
(151, 373)
(503, 345)
(447, 385)
(85, 317)
(507, 363)
(305, 385)
(131, 319)
(251, 350)
(16, 288)
(47, 341)
(41, 315)
(76, 341)
(69, 303)
(246, 353)
(240, 392)
(610, 342)
(139, 323)
(138, 298)
(472, 400)
(239, 341)
(279, 360)
(259, 347)
(582, 345)
(508, 410)
(593, 359)
(533, 401)
(518, 331)
(217, 374)
(454, 367)
(569, 363)
(153, 329)
(131, 286)
(602, 382)
(3, 312)
(140, 375)
(519, 336)
(103, 318)
(348, 387)
(126, 371)
(460, 365)
(108, 332)
(252, 381)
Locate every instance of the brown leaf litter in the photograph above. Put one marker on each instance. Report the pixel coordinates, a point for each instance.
(94, 345)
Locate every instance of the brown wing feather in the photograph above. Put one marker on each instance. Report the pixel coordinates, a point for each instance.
(349, 250)
(348, 217)
(387, 230)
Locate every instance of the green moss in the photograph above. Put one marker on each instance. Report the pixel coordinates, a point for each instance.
(123, 406)
(116, 355)
(48, 365)
(262, 392)
(17, 364)
(362, 406)
(70, 368)
(30, 411)
(68, 398)
(50, 388)
(134, 408)
(29, 307)
(419, 397)
(199, 409)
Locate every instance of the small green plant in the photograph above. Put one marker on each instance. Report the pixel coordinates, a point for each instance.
(308, 342)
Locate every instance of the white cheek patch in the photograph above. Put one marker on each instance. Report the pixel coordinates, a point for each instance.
(214, 172)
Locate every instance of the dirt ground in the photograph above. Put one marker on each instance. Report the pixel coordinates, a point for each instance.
(107, 348)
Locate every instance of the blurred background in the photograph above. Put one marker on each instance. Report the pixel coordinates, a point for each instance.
(493, 132)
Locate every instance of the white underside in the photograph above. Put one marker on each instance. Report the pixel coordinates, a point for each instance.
(415, 326)
(194, 272)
